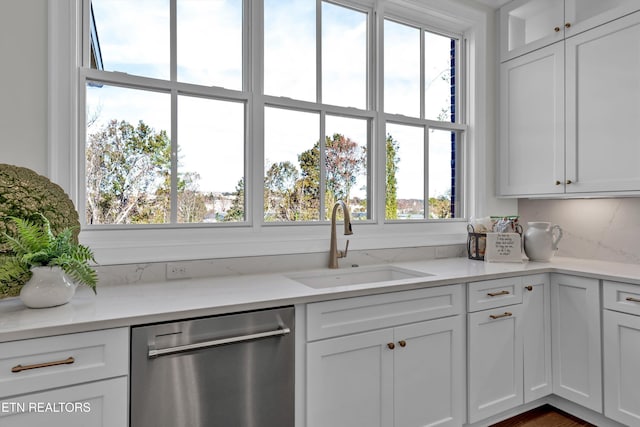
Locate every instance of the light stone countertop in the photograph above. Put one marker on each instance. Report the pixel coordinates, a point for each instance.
(135, 304)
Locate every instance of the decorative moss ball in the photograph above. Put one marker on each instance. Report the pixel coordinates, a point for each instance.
(24, 193)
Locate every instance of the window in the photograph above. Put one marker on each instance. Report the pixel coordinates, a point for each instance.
(195, 118)
(423, 154)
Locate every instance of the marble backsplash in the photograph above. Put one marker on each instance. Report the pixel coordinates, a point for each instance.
(161, 271)
(603, 229)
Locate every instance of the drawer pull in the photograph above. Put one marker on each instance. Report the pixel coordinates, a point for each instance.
(391, 346)
(529, 288)
(20, 368)
(500, 316)
(402, 343)
(495, 294)
(632, 299)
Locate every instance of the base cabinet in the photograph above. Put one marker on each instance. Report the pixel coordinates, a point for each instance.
(509, 346)
(621, 344)
(409, 374)
(576, 348)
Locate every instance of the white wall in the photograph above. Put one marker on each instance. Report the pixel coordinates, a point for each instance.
(23, 83)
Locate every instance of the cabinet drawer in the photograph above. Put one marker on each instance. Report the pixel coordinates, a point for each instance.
(43, 363)
(346, 316)
(622, 297)
(495, 293)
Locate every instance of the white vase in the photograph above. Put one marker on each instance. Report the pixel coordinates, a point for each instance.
(541, 240)
(48, 287)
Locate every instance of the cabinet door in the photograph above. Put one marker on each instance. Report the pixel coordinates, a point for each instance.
(495, 361)
(575, 340)
(429, 373)
(603, 107)
(621, 374)
(532, 123)
(95, 404)
(350, 381)
(526, 25)
(536, 327)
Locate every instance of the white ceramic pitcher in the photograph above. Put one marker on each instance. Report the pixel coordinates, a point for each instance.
(541, 240)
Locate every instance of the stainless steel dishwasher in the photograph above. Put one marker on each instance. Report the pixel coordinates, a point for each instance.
(233, 370)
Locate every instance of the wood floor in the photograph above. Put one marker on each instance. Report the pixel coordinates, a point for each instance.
(544, 416)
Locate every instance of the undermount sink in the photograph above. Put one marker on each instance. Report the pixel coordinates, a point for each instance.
(355, 276)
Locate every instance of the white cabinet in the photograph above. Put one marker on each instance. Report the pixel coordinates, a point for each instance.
(531, 156)
(536, 325)
(401, 375)
(576, 344)
(568, 115)
(603, 108)
(527, 25)
(509, 346)
(495, 361)
(67, 380)
(621, 335)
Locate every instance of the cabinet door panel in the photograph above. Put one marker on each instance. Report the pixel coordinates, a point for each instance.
(575, 311)
(350, 380)
(429, 373)
(531, 123)
(536, 325)
(495, 361)
(621, 374)
(603, 107)
(582, 15)
(95, 404)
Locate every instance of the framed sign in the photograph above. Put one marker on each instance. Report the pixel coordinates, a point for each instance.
(503, 247)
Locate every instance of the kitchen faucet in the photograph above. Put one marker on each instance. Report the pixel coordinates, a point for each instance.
(334, 252)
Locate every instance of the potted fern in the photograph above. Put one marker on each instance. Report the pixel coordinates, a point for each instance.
(57, 263)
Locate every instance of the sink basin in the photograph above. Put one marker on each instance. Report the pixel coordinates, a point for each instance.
(355, 276)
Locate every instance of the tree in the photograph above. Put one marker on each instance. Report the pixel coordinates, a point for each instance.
(236, 211)
(191, 201)
(391, 190)
(281, 198)
(126, 167)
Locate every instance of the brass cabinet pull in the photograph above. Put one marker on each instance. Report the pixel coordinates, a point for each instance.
(569, 181)
(391, 346)
(558, 182)
(632, 299)
(495, 294)
(529, 288)
(20, 368)
(500, 316)
(402, 343)
(556, 29)
(567, 25)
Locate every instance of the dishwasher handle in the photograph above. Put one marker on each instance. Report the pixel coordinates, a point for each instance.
(153, 352)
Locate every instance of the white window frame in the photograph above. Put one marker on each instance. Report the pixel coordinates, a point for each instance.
(121, 245)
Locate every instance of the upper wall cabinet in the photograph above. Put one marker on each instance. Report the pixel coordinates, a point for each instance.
(569, 115)
(526, 25)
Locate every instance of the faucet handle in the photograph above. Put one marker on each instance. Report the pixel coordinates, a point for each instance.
(343, 254)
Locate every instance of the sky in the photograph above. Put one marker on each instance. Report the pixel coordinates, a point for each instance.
(134, 38)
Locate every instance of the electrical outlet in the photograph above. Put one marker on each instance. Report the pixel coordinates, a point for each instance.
(177, 270)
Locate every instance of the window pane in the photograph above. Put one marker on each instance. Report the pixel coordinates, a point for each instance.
(442, 169)
(209, 35)
(133, 36)
(291, 165)
(401, 69)
(346, 165)
(128, 156)
(210, 160)
(439, 77)
(290, 48)
(405, 172)
(344, 56)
